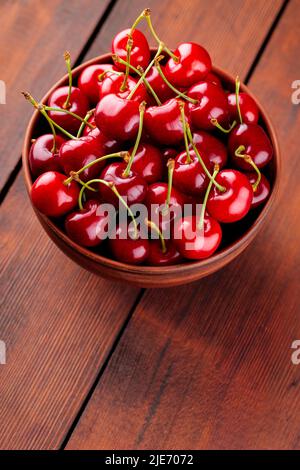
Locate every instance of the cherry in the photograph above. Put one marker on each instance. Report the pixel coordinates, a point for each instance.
(159, 85)
(78, 105)
(163, 123)
(87, 129)
(194, 242)
(213, 78)
(117, 117)
(256, 144)
(161, 252)
(88, 226)
(88, 80)
(233, 203)
(189, 176)
(192, 65)
(127, 247)
(139, 53)
(212, 104)
(148, 163)
(213, 148)
(51, 196)
(132, 186)
(248, 107)
(262, 192)
(43, 155)
(112, 83)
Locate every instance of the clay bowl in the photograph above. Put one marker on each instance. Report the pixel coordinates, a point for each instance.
(235, 240)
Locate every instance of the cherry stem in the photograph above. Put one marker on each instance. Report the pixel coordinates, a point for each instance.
(85, 122)
(214, 122)
(143, 76)
(142, 108)
(140, 73)
(62, 110)
(222, 189)
(116, 192)
(177, 92)
(41, 109)
(204, 204)
(67, 58)
(184, 128)
(74, 174)
(154, 227)
(249, 160)
(146, 13)
(171, 166)
(103, 74)
(237, 98)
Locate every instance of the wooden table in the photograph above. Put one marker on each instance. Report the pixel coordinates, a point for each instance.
(95, 364)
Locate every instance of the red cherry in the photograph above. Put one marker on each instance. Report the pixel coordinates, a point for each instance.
(212, 105)
(41, 155)
(140, 51)
(256, 142)
(88, 80)
(213, 78)
(248, 107)
(163, 123)
(262, 191)
(126, 248)
(235, 202)
(117, 117)
(189, 177)
(133, 186)
(87, 129)
(157, 257)
(51, 196)
(160, 87)
(78, 105)
(193, 64)
(112, 83)
(88, 226)
(213, 148)
(148, 163)
(193, 242)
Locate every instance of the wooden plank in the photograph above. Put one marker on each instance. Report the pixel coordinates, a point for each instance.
(209, 366)
(33, 37)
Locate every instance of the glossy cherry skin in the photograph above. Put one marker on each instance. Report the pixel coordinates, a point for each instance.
(148, 163)
(256, 142)
(78, 105)
(193, 65)
(140, 52)
(190, 178)
(156, 256)
(51, 196)
(194, 243)
(262, 192)
(248, 107)
(112, 84)
(163, 123)
(87, 227)
(88, 81)
(212, 104)
(117, 117)
(213, 78)
(133, 187)
(126, 249)
(235, 202)
(214, 149)
(160, 87)
(41, 157)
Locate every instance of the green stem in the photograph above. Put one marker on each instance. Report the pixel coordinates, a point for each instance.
(237, 98)
(62, 110)
(184, 128)
(222, 189)
(103, 74)
(142, 108)
(218, 126)
(67, 58)
(147, 13)
(154, 227)
(202, 214)
(249, 160)
(171, 166)
(85, 122)
(177, 92)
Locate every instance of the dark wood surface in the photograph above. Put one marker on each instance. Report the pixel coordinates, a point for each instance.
(91, 364)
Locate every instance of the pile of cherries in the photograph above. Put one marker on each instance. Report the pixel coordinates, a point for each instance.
(152, 129)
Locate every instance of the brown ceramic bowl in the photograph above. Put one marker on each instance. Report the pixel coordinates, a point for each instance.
(235, 239)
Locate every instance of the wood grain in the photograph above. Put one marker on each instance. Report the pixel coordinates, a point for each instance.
(209, 365)
(33, 38)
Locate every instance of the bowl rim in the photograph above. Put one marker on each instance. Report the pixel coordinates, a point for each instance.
(181, 268)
